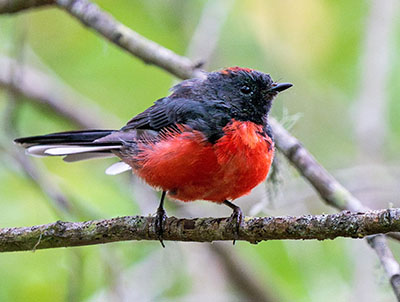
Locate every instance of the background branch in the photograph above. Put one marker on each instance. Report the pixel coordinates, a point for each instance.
(46, 91)
(148, 51)
(13, 6)
(330, 190)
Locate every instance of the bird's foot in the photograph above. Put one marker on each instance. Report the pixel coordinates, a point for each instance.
(235, 221)
(159, 223)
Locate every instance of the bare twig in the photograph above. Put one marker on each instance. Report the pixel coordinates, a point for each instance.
(321, 227)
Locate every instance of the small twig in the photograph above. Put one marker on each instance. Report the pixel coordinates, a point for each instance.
(37, 243)
(254, 230)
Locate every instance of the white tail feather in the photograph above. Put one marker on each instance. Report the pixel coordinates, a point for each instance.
(39, 150)
(117, 168)
(70, 149)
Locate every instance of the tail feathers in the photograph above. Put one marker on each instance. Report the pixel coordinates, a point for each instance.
(77, 145)
(72, 152)
(72, 144)
(39, 150)
(75, 149)
(118, 168)
(70, 137)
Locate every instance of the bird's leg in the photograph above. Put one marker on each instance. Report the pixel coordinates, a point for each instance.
(235, 219)
(161, 216)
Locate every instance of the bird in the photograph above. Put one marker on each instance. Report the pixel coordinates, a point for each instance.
(208, 140)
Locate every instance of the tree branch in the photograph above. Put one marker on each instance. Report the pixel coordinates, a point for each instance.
(389, 263)
(254, 230)
(330, 190)
(14, 6)
(148, 51)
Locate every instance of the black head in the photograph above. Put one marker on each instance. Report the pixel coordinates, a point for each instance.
(249, 92)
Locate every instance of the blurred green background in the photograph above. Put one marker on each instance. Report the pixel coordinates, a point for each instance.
(343, 59)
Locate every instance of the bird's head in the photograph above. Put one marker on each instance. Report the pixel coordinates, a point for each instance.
(247, 93)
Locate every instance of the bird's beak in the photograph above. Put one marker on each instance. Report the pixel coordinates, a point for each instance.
(278, 87)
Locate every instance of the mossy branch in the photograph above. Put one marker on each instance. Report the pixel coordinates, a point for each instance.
(320, 227)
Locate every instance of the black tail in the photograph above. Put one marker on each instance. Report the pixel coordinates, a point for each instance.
(79, 145)
(74, 145)
(84, 137)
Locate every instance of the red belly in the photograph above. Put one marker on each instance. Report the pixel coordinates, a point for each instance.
(190, 168)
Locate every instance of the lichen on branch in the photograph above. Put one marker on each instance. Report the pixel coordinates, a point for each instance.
(254, 230)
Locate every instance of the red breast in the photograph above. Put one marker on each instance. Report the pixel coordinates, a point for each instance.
(190, 168)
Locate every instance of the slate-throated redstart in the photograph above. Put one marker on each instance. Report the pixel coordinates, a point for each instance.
(208, 140)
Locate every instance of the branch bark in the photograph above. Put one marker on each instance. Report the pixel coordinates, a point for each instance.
(254, 230)
(14, 6)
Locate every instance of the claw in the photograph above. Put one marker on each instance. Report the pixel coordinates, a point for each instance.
(161, 217)
(235, 220)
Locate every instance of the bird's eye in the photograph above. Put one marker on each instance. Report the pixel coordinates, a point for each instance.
(245, 90)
